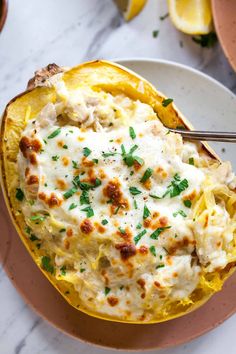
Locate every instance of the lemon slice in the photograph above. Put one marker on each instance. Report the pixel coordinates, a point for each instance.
(191, 16)
(130, 8)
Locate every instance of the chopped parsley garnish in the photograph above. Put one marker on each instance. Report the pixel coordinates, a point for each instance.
(154, 196)
(155, 33)
(132, 133)
(131, 173)
(176, 187)
(160, 266)
(55, 157)
(134, 191)
(33, 238)
(65, 146)
(104, 222)
(107, 290)
(75, 164)
(188, 203)
(70, 192)
(146, 212)
(85, 186)
(147, 174)
(139, 226)
(139, 236)
(152, 249)
(38, 218)
(108, 154)
(206, 40)
(86, 151)
(62, 230)
(191, 161)
(162, 18)
(180, 212)
(121, 230)
(45, 141)
(135, 205)
(73, 206)
(167, 101)
(19, 194)
(117, 210)
(63, 270)
(27, 229)
(128, 157)
(95, 161)
(46, 264)
(55, 133)
(89, 211)
(82, 270)
(84, 198)
(158, 231)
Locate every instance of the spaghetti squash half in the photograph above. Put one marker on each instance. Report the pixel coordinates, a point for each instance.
(128, 222)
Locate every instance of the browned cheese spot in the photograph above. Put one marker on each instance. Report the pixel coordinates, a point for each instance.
(86, 226)
(28, 145)
(126, 250)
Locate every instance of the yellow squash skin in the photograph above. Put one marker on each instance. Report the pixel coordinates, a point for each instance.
(114, 79)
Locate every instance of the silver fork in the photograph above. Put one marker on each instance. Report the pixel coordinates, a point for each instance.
(206, 135)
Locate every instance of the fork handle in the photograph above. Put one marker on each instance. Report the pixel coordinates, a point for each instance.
(229, 137)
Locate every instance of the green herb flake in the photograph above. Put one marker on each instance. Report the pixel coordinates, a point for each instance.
(107, 290)
(62, 230)
(38, 218)
(27, 229)
(152, 249)
(55, 133)
(139, 226)
(55, 157)
(95, 161)
(155, 33)
(135, 205)
(180, 212)
(139, 236)
(63, 270)
(89, 211)
(176, 187)
(82, 270)
(86, 151)
(31, 202)
(188, 203)
(121, 230)
(70, 192)
(75, 164)
(147, 174)
(33, 238)
(160, 266)
(167, 101)
(158, 231)
(154, 196)
(132, 133)
(65, 146)
(206, 40)
(104, 222)
(134, 191)
(117, 210)
(46, 264)
(162, 18)
(191, 161)
(45, 141)
(146, 212)
(84, 198)
(19, 194)
(73, 206)
(108, 154)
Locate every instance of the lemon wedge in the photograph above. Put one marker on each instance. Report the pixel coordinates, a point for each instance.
(191, 16)
(130, 8)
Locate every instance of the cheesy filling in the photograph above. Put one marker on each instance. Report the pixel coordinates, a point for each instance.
(119, 204)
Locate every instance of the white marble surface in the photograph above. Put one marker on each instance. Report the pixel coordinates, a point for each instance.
(39, 32)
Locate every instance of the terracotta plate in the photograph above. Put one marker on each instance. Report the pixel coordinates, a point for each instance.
(3, 12)
(224, 13)
(187, 86)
